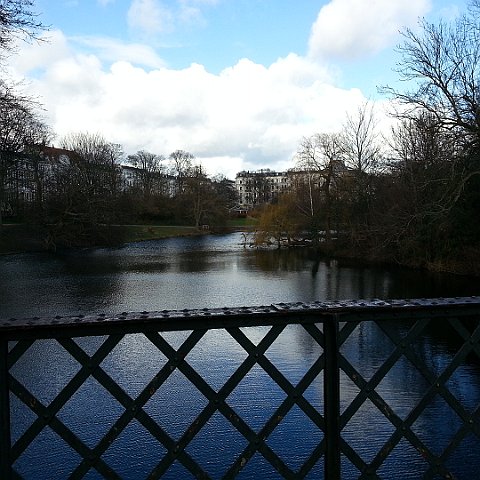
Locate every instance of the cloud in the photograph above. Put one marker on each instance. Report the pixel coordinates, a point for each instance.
(190, 11)
(352, 29)
(153, 17)
(247, 116)
(150, 17)
(38, 55)
(110, 49)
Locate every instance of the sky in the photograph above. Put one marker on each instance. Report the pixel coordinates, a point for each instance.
(237, 83)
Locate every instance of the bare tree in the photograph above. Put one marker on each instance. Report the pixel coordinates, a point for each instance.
(22, 131)
(225, 191)
(427, 157)
(181, 166)
(442, 62)
(95, 161)
(18, 20)
(363, 155)
(151, 171)
(310, 161)
(424, 171)
(199, 189)
(20, 124)
(362, 141)
(323, 154)
(86, 189)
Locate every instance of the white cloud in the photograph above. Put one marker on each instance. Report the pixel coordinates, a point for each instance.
(153, 17)
(191, 15)
(350, 29)
(190, 11)
(247, 116)
(150, 17)
(109, 49)
(37, 55)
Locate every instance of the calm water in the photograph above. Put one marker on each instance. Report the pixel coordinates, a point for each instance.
(197, 272)
(213, 272)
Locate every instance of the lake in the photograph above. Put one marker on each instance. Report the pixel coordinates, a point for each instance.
(198, 272)
(216, 271)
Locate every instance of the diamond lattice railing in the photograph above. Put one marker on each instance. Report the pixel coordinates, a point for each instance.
(134, 407)
(437, 386)
(324, 330)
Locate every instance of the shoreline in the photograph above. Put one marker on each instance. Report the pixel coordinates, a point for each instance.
(23, 238)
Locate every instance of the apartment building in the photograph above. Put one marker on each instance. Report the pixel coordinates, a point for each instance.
(260, 186)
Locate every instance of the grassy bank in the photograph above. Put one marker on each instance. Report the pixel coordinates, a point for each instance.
(15, 238)
(137, 233)
(246, 223)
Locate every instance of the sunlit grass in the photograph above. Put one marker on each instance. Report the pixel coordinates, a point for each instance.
(242, 222)
(135, 233)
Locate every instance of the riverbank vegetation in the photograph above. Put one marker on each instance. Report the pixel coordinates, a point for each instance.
(17, 238)
(85, 200)
(412, 196)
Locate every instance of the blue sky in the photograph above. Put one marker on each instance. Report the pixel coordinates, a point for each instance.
(235, 82)
(215, 33)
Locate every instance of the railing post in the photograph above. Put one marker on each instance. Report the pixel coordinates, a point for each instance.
(5, 441)
(331, 388)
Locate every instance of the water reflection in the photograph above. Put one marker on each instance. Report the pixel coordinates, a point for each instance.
(191, 272)
(212, 272)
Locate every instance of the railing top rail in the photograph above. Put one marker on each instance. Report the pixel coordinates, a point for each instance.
(168, 320)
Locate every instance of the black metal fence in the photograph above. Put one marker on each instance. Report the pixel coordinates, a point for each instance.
(328, 324)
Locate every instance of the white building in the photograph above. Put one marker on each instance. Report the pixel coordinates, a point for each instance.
(261, 186)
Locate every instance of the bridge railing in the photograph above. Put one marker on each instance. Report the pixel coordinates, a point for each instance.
(329, 326)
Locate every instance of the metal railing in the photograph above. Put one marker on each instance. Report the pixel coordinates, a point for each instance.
(328, 324)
